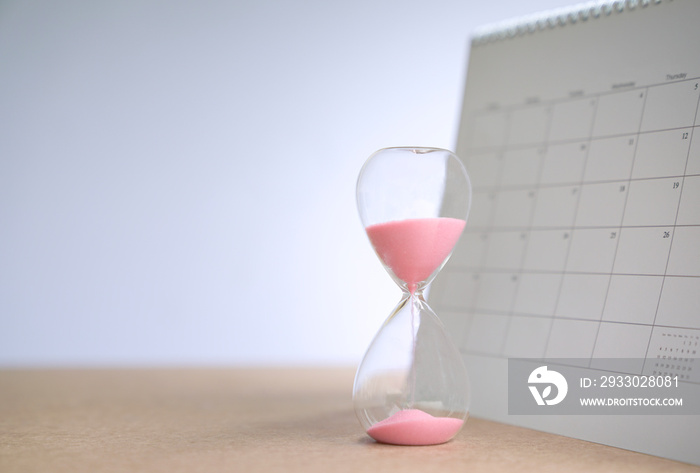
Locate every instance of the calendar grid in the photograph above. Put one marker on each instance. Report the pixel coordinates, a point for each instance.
(486, 150)
(593, 95)
(682, 182)
(562, 201)
(575, 213)
(579, 227)
(622, 218)
(476, 279)
(550, 317)
(572, 183)
(579, 133)
(531, 217)
(591, 273)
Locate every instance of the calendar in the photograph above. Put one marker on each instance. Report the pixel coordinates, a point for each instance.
(580, 133)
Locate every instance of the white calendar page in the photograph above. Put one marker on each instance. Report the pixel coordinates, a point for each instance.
(580, 133)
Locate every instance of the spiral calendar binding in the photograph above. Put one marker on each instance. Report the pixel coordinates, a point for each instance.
(555, 18)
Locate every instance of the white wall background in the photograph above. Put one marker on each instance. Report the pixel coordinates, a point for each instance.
(177, 177)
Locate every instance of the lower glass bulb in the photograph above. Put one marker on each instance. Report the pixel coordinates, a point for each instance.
(412, 387)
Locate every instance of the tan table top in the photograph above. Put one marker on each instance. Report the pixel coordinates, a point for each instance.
(232, 420)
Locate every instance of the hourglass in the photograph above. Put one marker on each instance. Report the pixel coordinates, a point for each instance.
(411, 387)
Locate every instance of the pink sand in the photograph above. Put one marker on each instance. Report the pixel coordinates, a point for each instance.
(415, 248)
(415, 427)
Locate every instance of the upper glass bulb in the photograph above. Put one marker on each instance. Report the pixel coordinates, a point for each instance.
(414, 204)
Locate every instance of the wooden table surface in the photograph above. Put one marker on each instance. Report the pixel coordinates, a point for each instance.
(246, 420)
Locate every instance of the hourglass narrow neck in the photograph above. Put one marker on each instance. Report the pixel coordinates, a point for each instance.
(416, 296)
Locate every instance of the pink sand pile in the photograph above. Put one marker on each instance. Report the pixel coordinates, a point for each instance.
(415, 427)
(415, 248)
